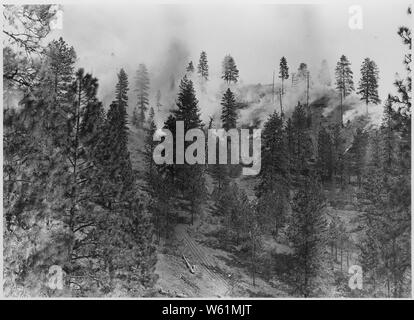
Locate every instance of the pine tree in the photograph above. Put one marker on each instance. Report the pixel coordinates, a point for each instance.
(190, 67)
(41, 186)
(369, 246)
(126, 231)
(403, 102)
(240, 222)
(55, 80)
(221, 172)
(82, 215)
(308, 234)
(272, 190)
(142, 87)
(112, 152)
(189, 178)
(344, 81)
(60, 59)
(301, 144)
(274, 160)
(283, 72)
(202, 67)
(187, 103)
(368, 85)
(93, 116)
(157, 184)
(228, 113)
(344, 75)
(38, 171)
(302, 73)
(385, 197)
(117, 114)
(76, 188)
(385, 252)
(388, 153)
(29, 186)
(165, 198)
(121, 89)
(230, 71)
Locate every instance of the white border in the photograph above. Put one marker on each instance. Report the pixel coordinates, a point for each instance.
(198, 2)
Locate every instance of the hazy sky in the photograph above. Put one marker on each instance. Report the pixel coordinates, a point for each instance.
(107, 37)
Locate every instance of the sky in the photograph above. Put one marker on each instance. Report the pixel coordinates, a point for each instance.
(165, 37)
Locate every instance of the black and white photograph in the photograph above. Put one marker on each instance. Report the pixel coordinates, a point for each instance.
(224, 150)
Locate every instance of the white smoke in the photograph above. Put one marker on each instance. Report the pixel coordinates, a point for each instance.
(373, 116)
(256, 101)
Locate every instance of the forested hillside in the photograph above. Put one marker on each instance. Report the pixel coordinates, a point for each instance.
(81, 190)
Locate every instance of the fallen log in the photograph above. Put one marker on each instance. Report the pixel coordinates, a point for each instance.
(190, 266)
